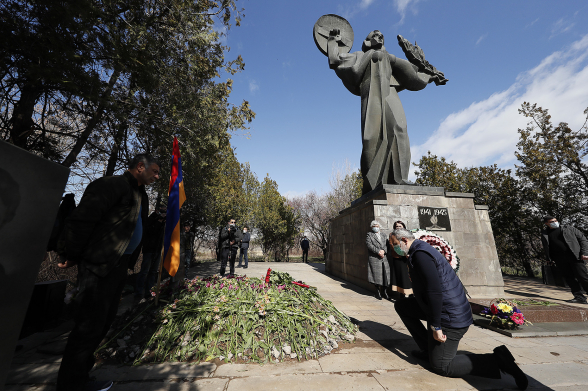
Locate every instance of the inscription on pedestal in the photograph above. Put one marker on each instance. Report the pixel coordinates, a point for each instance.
(434, 219)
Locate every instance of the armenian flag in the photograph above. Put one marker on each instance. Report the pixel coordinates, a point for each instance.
(176, 198)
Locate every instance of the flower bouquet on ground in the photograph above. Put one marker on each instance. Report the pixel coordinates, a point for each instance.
(504, 314)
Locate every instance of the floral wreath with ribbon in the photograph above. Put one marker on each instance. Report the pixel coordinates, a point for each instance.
(440, 244)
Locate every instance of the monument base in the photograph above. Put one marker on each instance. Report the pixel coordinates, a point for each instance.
(464, 225)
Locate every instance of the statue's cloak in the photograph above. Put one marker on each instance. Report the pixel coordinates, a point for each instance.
(377, 76)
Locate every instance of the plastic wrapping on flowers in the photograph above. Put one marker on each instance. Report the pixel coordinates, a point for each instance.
(504, 314)
(247, 318)
(440, 245)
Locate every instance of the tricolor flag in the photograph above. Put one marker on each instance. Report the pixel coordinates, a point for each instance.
(176, 198)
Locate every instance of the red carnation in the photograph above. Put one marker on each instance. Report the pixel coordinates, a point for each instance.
(518, 318)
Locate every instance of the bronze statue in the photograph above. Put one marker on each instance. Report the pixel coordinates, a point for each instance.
(377, 76)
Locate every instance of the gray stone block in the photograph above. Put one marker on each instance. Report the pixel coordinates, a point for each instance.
(471, 236)
(392, 211)
(460, 203)
(452, 194)
(407, 189)
(379, 211)
(411, 223)
(414, 199)
(409, 212)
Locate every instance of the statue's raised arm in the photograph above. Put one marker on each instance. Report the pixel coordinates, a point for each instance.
(377, 76)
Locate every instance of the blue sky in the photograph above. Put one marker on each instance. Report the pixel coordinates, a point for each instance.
(495, 54)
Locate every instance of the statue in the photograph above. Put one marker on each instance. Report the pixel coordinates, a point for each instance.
(377, 76)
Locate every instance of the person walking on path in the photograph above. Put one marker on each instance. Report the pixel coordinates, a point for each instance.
(244, 248)
(567, 247)
(439, 298)
(378, 267)
(229, 241)
(305, 246)
(399, 278)
(102, 236)
(152, 245)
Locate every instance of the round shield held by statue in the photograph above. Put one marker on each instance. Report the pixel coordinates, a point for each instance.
(323, 27)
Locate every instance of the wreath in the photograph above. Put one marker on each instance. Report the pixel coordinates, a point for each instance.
(440, 244)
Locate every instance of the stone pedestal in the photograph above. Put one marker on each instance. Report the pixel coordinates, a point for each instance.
(469, 232)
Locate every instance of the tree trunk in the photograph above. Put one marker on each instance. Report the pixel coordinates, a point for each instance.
(93, 122)
(22, 124)
(113, 158)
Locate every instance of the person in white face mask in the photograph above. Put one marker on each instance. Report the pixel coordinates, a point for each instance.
(378, 266)
(567, 247)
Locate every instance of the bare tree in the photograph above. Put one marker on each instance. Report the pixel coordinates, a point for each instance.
(317, 210)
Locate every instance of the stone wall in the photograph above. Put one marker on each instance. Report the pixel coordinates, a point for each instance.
(470, 235)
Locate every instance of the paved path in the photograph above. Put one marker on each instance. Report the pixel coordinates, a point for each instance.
(378, 361)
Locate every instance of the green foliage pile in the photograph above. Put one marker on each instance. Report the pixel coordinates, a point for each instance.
(245, 318)
(551, 178)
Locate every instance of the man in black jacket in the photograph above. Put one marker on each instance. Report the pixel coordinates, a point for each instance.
(229, 241)
(244, 248)
(568, 248)
(305, 245)
(102, 236)
(439, 299)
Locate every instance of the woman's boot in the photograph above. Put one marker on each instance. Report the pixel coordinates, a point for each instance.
(384, 293)
(378, 295)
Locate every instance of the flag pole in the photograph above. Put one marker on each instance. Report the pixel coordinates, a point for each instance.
(158, 289)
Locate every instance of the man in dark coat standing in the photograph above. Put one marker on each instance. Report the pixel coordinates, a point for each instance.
(102, 236)
(304, 245)
(439, 298)
(244, 248)
(229, 241)
(567, 247)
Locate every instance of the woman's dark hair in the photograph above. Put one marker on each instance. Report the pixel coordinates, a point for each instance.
(398, 222)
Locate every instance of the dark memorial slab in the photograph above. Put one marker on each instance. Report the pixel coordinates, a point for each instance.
(434, 219)
(30, 192)
(45, 307)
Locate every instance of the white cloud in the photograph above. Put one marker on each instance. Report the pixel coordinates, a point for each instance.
(403, 5)
(222, 33)
(532, 23)
(560, 27)
(481, 38)
(253, 86)
(486, 132)
(363, 4)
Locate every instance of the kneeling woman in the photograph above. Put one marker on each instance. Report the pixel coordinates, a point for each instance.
(439, 298)
(378, 267)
